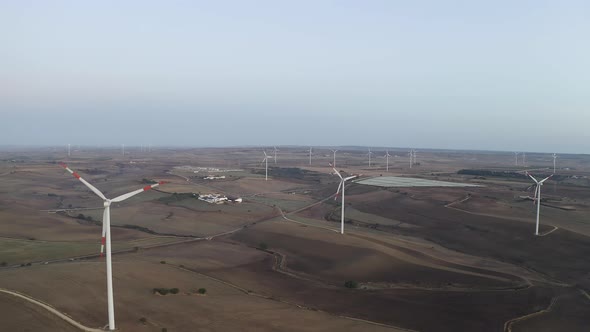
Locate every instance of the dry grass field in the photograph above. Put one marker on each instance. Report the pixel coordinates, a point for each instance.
(424, 259)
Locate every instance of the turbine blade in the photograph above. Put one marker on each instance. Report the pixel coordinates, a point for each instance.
(91, 187)
(532, 177)
(338, 191)
(135, 192)
(337, 173)
(545, 179)
(350, 178)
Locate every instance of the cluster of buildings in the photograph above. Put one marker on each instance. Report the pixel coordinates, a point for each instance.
(219, 199)
(214, 177)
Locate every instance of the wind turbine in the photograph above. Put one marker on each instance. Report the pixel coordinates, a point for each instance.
(554, 158)
(516, 158)
(538, 197)
(69, 150)
(341, 186)
(265, 160)
(414, 156)
(387, 155)
(334, 162)
(106, 234)
(123, 149)
(369, 154)
(310, 156)
(411, 154)
(275, 150)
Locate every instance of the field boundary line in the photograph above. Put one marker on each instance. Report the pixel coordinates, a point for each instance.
(272, 298)
(51, 309)
(549, 232)
(508, 324)
(584, 293)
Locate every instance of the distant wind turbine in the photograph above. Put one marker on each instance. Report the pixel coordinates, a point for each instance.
(265, 160)
(538, 197)
(516, 158)
(334, 161)
(69, 150)
(341, 186)
(387, 155)
(123, 149)
(106, 235)
(275, 150)
(554, 159)
(310, 156)
(369, 154)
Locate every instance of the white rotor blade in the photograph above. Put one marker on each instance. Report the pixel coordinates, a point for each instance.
(338, 191)
(133, 193)
(337, 173)
(532, 178)
(91, 187)
(350, 178)
(545, 179)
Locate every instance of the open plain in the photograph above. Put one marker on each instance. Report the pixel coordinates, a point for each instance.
(422, 257)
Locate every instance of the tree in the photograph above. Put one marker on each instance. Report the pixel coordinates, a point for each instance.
(351, 284)
(174, 290)
(263, 246)
(202, 291)
(143, 320)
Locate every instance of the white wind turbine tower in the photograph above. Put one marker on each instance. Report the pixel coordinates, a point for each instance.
(341, 186)
(516, 158)
(414, 156)
(69, 150)
(538, 197)
(123, 149)
(106, 235)
(387, 155)
(265, 160)
(554, 159)
(411, 155)
(275, 150)
(369, 154)
(334, 161)
(310, 156)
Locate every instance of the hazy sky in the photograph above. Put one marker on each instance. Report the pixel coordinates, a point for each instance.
(502, 75)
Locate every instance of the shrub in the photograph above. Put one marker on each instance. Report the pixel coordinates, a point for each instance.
(202, 291)
(162, 262)
(351, 284)
(143, 320)
(161, 291)
(263, 246)
(164, 329)
(174, 290)
(3, 264)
